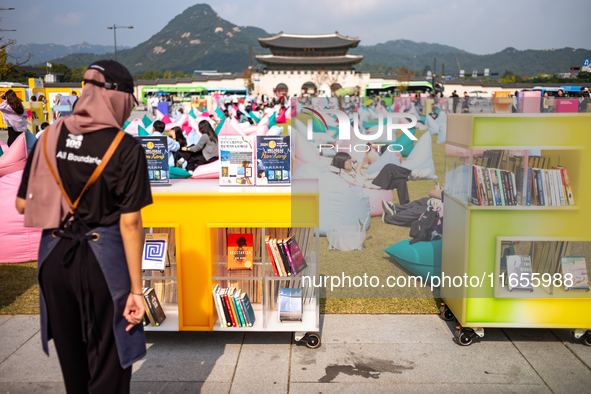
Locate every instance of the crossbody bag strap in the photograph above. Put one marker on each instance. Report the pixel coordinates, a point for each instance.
(95, 174)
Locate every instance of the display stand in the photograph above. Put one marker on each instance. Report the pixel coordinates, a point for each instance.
(200, 212)
(474, 234)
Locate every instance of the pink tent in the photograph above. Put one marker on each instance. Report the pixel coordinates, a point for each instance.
(17, 243)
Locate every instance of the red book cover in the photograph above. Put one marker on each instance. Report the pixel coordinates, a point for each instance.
(240, 252)
(271, 258)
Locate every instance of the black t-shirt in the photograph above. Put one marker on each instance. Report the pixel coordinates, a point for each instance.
(123, 186)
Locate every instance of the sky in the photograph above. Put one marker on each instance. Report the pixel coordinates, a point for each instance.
(480, 27)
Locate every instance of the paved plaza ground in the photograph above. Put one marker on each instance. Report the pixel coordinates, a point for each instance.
(359, 354)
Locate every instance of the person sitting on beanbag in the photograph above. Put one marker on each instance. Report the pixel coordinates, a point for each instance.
(389, 178)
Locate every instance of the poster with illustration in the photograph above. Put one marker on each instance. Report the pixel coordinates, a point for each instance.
(236, 160)
(273, 160)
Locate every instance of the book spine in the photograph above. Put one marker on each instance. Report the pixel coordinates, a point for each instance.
(271, 257)
(286, 245)
(513, 189)
(225, 307)
(474, 195)
(545, 188)
(552, 187)
(540, 187)
(249, 309)
(238, 311)
(501, 187)
(489, 195)
(569, 191)
(150, 309)
(529, 187)
(495, 186)
(243, 311)
(230, 311)
(505, 187)
(216, 301)
(481, 187)
(560, 185)
(286, 266)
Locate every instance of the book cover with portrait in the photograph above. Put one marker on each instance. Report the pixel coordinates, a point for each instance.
(240, 252)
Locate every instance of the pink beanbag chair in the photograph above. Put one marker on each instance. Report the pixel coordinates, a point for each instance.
(207, 171)
(18, 244)
(281, 117)
(375, 199)
(231, 128)
(14, 158)
(132, 127)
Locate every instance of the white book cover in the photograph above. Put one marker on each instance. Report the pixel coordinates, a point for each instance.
(519, 273)
(558, 175)
(237, 160)
(154, 254)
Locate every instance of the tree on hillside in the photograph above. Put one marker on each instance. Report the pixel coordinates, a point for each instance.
(168, 74)
(179, 74)
(8, 70)
(149, 75)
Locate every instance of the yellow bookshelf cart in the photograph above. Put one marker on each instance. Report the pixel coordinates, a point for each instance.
(199, 212)
(474, 234)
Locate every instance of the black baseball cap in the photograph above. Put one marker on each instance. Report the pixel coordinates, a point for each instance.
(117, 76)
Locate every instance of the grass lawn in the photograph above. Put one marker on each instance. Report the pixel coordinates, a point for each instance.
(19, 290)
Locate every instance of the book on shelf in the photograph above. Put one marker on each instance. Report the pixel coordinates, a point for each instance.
(519, 273)
(297, 257)
(507, 249)
(236, 155)
(273, 160)
(154, 255)
(290, 304)
(577, 267)
(499, 187)
(233, 307)
(154, 309)
(240, 252)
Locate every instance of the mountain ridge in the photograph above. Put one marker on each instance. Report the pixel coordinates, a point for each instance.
(198, 38)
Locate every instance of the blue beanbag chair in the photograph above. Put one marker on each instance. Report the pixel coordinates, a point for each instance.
(253, 116)
(407, 143)
(178, 173)
(273, 120)
(31, 140)
(422, 258)
(220, 125)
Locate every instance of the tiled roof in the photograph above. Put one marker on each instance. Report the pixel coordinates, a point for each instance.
(311, 60)
(284, 40)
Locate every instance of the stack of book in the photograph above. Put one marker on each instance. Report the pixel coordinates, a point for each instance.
(285, 256)
(154, 314)
(544, 187)
(547, 255)
(233, 307)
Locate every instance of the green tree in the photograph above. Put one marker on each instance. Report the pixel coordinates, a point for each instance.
(148, 75)
(158, 74)
(179, 74)
(168, 74)
(9, 71)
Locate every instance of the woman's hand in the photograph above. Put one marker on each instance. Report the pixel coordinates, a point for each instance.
(134, 310)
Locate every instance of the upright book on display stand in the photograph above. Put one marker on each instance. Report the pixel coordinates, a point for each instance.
(273, 160)
(236, 155)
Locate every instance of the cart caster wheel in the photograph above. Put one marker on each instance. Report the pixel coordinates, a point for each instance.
(446, 313)
(464, 339)
(586, 338)
(312, 340)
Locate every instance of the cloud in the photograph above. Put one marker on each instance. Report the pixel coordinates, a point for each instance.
(70, 19)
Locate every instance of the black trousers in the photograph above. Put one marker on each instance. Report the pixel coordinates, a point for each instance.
(408, 213)
(90, 366)
(195, 159)
(12, 135)
(394, 177)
